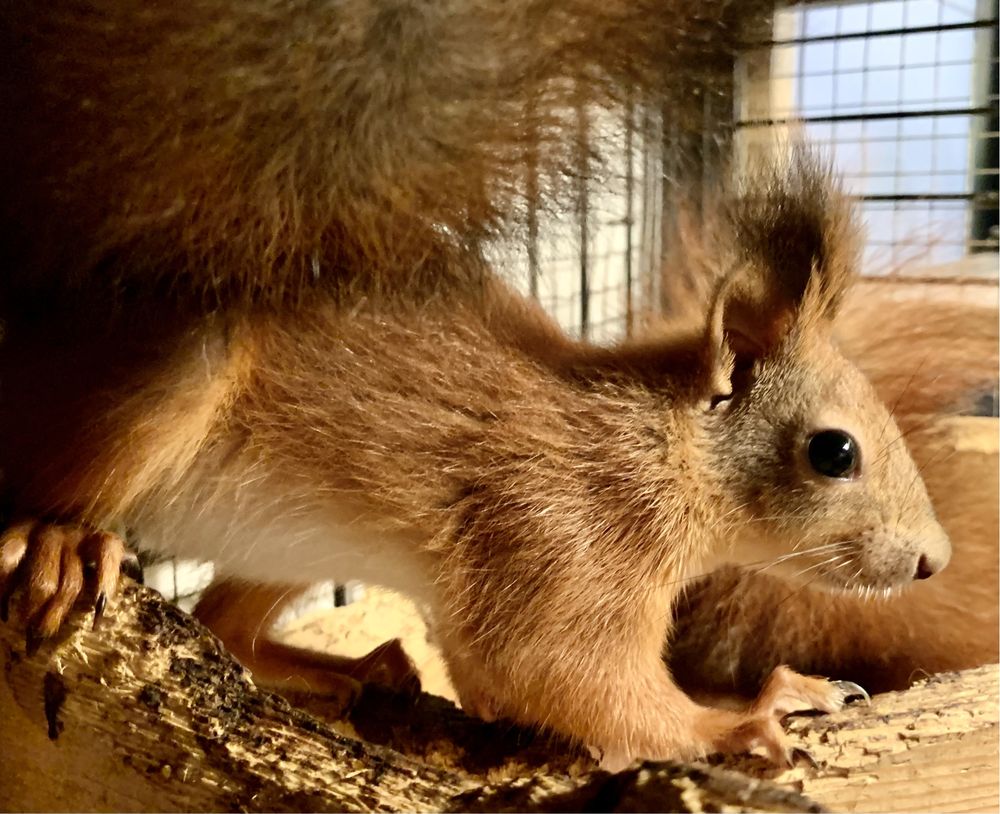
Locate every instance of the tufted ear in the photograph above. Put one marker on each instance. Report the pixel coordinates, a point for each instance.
(743, 327)
(790, 240)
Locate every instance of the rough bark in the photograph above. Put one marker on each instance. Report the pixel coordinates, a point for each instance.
(148, 713)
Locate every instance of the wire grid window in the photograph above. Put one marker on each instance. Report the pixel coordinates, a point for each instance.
(586, 266)
(903, 95)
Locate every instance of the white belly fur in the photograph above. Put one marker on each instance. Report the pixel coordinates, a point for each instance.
(257, 528)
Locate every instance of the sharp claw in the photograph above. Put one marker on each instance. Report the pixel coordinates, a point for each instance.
(852, 690)
(411, 686)
(797, 754)
(5, 596)
(99, 606)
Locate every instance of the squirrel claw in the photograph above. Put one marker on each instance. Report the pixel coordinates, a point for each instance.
(99, 606)
(786, 692)
(132, 568)
(32, 642)
(50, 565)
(798, 755)
(853, 692)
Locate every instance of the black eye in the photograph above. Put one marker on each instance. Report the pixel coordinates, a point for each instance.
(834, 453)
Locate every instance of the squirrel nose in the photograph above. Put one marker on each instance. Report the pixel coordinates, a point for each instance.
(927, 567)
(934, 552)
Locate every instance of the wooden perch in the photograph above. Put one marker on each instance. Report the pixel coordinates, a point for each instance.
(148, 713)
(931, 748)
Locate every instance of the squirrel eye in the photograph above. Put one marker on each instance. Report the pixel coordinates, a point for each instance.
(834, 453)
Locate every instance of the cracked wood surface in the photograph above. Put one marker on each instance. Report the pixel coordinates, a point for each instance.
(148, 713)
(931, 748)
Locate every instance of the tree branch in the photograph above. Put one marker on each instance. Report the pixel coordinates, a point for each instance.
(149, 713)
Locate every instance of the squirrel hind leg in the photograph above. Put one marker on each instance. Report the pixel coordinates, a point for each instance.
(49, 566)
(243, 614)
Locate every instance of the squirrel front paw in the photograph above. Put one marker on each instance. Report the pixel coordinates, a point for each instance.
(705, 731)
(391, 666)
(713, 732)
(786, 691)
(759, 728)
(478, 703)
(47, 566)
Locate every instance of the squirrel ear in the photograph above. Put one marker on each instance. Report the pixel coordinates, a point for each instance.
(745, 323)
(789, 235)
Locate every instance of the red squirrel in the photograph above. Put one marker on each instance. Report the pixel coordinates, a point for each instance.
(249, 314)
(929, 359)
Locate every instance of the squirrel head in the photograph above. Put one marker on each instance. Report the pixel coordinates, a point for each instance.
(821, 479)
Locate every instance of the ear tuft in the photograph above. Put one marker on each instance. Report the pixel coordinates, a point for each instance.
(778, 250)
(795, 232)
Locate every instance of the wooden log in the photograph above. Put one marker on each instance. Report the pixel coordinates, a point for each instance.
(931, 748)
(148, 713)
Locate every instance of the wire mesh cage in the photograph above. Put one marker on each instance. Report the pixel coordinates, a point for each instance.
(902, 94)
(585, 266)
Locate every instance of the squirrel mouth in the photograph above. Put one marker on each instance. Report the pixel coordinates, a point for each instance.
(864, 591)
(839, 567)
(860, 584)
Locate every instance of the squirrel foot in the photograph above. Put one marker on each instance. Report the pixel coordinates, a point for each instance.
(336, 692)
(725, 732)
(479, 704)
(51, 565)
(389, 665)
(243, 614)
(337, 680)
(784, 692)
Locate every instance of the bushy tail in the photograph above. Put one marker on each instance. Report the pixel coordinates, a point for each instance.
(248, 148)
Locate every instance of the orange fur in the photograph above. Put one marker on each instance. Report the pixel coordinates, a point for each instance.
(587, 483)
(926, 351)
(248, 315)
(222, 152)
(928, 355)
